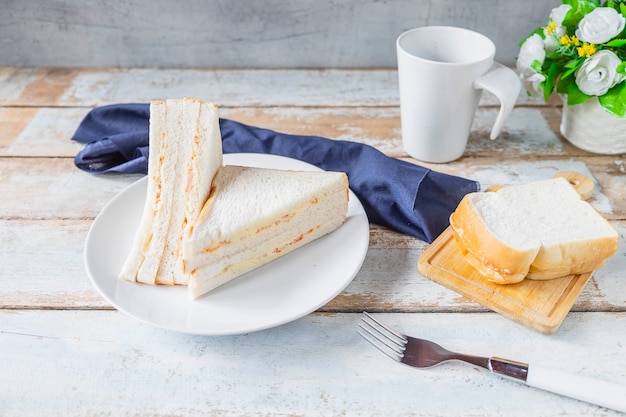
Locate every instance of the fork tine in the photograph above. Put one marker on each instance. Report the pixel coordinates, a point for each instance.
(388, 331)
(388, 340)
(378, 344)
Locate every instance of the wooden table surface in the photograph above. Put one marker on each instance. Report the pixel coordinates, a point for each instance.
(65, 351)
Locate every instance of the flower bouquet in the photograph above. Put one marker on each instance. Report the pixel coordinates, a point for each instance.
(580, 53)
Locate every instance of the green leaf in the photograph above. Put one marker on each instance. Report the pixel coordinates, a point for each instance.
(615, 100)
(572, 66)
(571, 18)
(580, 4)
(563, 85)
(621, 68)
(548, 85)
(588, 5)
(574, 95)
(614, 4)
(536, 65)
(616, 43)
(622, 9)
(579, 9)
(577, 97)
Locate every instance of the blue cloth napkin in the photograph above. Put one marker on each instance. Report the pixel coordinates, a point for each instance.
(408, 198)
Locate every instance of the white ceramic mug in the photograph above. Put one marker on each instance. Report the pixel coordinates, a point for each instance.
(442, 71)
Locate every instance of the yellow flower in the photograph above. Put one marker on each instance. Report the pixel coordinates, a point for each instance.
(568, 41)
(551, 28)
(587, 50)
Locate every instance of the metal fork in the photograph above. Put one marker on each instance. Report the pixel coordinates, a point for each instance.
(422, 353)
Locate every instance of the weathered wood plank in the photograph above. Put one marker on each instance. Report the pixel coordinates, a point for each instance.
(107, 364)
(45, 269)
(13, 82)
(65, 351)
(91, 87)
(88, 87)
(54, 188)
(389, 281)
(530, 132)
(39, 131)
(14, 120)
(609, 195)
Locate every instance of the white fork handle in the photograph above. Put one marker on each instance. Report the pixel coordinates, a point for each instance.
(605, 394)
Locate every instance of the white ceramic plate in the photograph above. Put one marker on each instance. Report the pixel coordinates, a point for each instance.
(281, 291)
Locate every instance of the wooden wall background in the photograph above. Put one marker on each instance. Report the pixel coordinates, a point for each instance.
(244, 33)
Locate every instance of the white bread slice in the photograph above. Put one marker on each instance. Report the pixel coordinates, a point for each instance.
(542, 230)
(185, 154)
(255, 215)
(204, 160)
(143, 236)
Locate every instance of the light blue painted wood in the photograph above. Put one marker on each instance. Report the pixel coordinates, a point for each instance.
(101, 363)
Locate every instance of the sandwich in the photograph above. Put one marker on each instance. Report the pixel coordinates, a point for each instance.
(185, 153)
(542, 230)
(204, 224)
(256, 215)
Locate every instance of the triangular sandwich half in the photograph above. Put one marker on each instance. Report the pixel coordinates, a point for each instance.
(255, 215)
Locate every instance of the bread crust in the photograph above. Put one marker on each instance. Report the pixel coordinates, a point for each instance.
(497, 261)
(506, 265)
(572, 258)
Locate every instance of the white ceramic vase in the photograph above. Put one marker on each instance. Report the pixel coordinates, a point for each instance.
(590, 127)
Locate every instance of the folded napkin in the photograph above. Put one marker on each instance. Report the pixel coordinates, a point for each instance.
(408, 198)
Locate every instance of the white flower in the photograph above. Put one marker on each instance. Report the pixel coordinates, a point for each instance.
(532, 84)
(598, 73)
(558, 13)
(600, 26)
(555, 29)
(531, 51)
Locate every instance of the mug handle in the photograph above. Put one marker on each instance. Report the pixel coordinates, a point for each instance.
(504, 83)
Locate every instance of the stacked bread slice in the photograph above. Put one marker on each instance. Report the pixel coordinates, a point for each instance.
(205, 224)
(541, 230)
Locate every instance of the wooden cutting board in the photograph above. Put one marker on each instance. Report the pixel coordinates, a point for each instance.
(540, 305)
